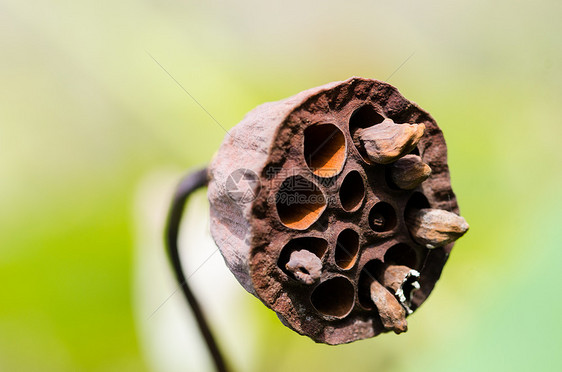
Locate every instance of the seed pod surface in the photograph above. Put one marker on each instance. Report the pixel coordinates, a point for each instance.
(290, 178)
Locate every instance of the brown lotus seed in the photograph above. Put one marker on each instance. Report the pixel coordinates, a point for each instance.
(387, 141)
(403, 281)
(409, 172)
(305, 266)
(435, 227)
(392, 314)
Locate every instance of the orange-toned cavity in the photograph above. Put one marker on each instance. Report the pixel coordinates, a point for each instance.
(299, 202)
(324, 149)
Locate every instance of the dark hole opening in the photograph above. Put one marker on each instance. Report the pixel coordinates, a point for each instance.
(347, 248)
(352, 191)
(364, 117)
(318, 246)
(401, 254)
(382, 217)
(334, 297)
(366, 277)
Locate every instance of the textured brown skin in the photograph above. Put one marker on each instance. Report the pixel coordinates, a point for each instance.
(409, 172)
(251, 236)
(397, 140)
(305, 260)
(391, 313)
(435, 227)
(393, 276)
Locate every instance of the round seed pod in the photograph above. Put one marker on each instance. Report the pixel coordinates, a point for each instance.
(308, 215)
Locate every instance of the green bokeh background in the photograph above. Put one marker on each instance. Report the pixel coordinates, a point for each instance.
(85, 114)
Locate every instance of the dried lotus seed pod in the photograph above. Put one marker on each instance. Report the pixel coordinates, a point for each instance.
(309, 201)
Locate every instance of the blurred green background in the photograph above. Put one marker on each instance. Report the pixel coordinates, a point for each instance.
(86, 114)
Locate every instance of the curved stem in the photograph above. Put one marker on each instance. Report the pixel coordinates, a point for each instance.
(186, 187)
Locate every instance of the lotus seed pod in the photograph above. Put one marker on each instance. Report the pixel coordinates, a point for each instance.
(308, 218)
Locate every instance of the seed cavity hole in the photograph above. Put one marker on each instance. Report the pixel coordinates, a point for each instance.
(382, 217)
(415, 151)
(347, 248)
(416, 202)
(401, 254)
(299, 202)
(352, 191)
(367, 276)
(334, 297)
(388, 178)
(317, 246)
(324, 149)
(364, 117)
